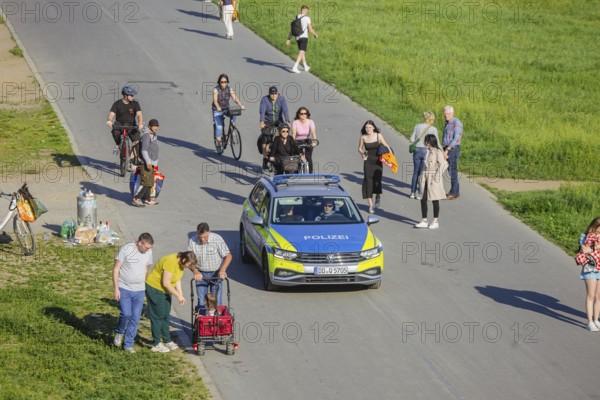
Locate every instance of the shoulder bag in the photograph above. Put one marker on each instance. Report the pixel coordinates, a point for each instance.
(413, 146)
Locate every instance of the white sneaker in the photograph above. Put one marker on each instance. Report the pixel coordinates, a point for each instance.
(371, 210)
(171, 346)
(418, 197)
(116, 150)
(592, 327)
(306, 68)
(422, 224)
(412, 195)
(129, 350)
(295, 70)
(597, 323)
(160, 348)
(118, 339)
(434, 225)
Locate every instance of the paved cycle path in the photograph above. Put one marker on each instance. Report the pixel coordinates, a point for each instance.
(481, 308)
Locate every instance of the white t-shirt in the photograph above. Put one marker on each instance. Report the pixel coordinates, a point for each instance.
(132, 275)
(305, 21)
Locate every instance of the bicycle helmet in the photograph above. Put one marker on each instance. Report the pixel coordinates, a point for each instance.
(128, 91)
(284, 125)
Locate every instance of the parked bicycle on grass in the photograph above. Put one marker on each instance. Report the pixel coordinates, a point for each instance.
(21, 228)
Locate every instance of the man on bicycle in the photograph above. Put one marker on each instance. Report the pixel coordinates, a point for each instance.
(125, 112)
(220, 107)
(273, 112)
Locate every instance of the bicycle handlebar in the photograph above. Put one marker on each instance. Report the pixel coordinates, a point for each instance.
(119, 126)
(309, 143)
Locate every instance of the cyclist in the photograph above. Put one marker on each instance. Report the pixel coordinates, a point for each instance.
(283, 146)
(125, 112)
(220, 106)
(303, 131)
(273, 112)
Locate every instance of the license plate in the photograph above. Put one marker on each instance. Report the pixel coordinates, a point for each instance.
(331, 270)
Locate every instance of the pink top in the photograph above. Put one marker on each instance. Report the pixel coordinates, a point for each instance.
(302, 130)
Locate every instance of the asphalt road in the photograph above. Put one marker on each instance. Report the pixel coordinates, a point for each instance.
(481, 308)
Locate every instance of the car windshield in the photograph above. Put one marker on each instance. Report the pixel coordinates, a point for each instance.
(315, 210)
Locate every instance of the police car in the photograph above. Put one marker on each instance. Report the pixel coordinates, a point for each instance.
(305, 230)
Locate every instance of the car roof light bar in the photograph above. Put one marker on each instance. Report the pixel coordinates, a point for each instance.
(327, 179)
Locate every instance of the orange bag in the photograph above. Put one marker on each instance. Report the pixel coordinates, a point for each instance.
(25, 210)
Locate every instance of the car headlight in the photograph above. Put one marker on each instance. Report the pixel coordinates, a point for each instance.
(284, 254)
(371, 253)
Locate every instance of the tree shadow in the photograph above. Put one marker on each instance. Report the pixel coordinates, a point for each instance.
(65, 160)
(94, 326)
(102, 166)
(263, 63)
(532, 301)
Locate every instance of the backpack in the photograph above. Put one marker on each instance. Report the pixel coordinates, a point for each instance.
(296, 26)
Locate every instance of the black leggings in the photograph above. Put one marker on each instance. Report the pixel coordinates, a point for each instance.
(436, 204)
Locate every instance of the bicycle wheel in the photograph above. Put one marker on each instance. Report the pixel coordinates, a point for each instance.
(124, 156)
(24, 236)
(304, 167)
(236, 142)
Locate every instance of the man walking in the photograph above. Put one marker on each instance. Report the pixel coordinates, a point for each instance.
(453, 130)
(302, 39)
(214, 258)
(132, 264)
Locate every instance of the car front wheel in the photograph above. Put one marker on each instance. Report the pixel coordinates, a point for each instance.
(269, 286)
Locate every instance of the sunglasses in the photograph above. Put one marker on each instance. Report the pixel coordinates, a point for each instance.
(328, 205)
(285, 130)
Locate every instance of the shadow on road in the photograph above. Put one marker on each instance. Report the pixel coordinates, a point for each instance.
(222, 195)
(263, 63)
(532, 301)
(202, 15)
(213, 34)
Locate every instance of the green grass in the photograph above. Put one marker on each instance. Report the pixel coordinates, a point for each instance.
(521, 75)
(31, 137)
(57, 319)
(16, 51)
(561, 216)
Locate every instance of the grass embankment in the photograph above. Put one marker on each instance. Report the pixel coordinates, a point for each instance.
(520, 74)
(57, 319)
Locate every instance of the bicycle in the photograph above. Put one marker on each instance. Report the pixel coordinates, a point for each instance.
(304, 169)
(126, 149)
(21, 228)
(232, 137)
(269, 131)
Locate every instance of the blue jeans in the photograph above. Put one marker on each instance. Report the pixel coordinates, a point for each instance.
(219, 119)
(130, 305)
(418, 165)
(206, 286)
(453, 170)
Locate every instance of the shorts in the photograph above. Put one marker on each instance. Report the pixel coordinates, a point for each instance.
(594, 275)
(302, 44)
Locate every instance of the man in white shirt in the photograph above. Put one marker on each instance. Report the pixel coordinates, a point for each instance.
(302, 40)
(132, 264)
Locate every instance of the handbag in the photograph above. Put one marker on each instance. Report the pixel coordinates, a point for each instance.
(290, 163)
(413, 146)
(24, 208)
(38, 207)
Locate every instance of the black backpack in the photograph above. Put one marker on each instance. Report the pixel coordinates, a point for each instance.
(296, 26)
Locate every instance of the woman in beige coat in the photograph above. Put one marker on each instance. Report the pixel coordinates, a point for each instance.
(431, 181)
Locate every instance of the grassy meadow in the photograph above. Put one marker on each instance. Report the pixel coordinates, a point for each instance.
(521, 75)
(57, 318)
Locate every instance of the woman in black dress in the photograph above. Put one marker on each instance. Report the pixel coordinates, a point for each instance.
(368, 144)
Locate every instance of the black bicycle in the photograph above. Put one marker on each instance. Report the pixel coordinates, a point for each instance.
(126, 149)
(231, 137)
(303, 168)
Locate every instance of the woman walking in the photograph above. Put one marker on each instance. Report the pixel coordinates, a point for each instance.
(431, 181)
(163, 282)
(368, 144)
(418, 137)
(589, 258)
(303, 132)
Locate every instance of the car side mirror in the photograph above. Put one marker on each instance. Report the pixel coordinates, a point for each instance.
(372, 219)
(258, 221)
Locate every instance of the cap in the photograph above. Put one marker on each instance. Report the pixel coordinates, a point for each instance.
(153, 122)
(273, 90)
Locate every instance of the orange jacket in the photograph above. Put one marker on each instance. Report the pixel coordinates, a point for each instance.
(390, 160)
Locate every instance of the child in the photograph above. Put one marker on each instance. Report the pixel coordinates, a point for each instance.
(589, 258)
(210, 300)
